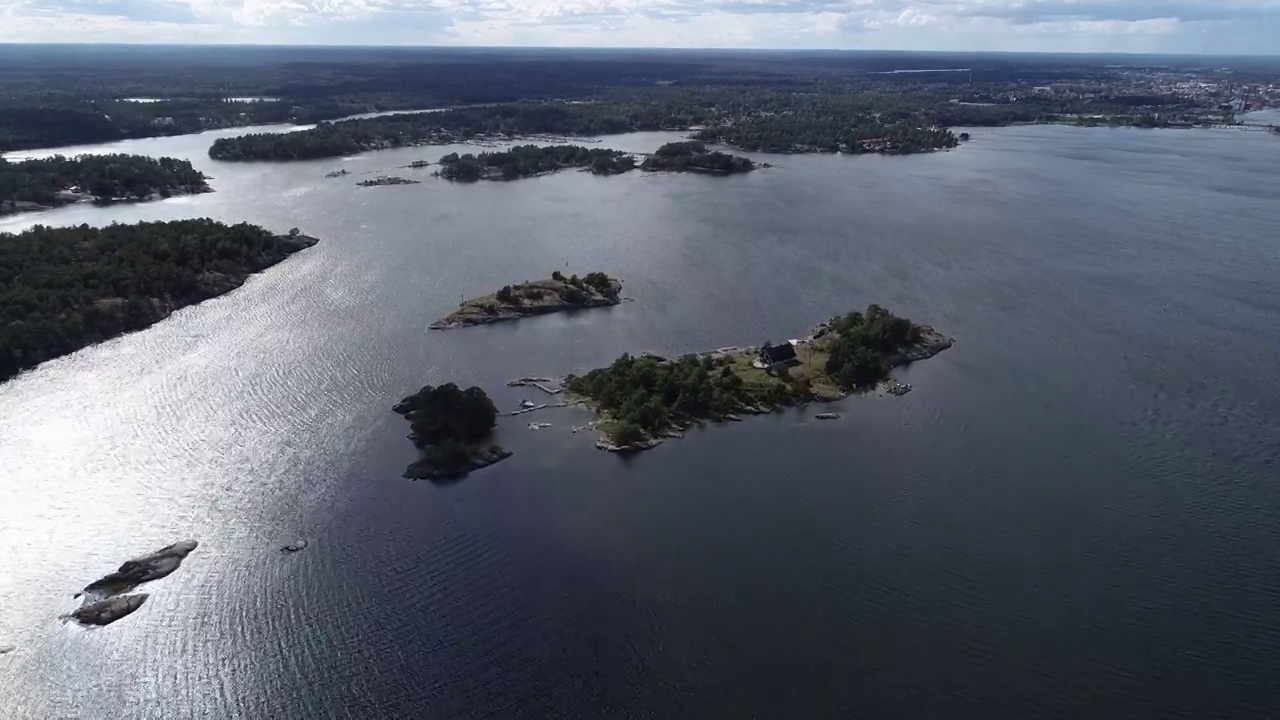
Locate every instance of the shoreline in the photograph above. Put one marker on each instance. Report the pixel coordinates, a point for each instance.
(18, 207)
(159, 309)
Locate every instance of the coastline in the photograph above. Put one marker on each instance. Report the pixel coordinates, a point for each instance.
(17, 207)
(158, 309)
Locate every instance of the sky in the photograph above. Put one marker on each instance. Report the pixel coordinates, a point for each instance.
(1236, 27)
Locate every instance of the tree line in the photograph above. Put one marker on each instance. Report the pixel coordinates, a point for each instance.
(105, 177)
(694, 156)
(64, 288)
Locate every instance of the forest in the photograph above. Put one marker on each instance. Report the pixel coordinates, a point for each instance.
(64, 288)
(52, 96)
(450, 427)
(529, 160)
(46, 181)
(694, 156)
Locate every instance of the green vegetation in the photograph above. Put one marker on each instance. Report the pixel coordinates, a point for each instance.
(695, 157)
(64, 288)
(861, 347)
(57, 180)
(644, 397)
(59, 95)
(529, 160)
(435, 128)
(451, 427)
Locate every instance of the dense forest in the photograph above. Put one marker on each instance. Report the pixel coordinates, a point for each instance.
(64, 288)
(63, 95)
(440, 128)
(694, 156)
(861, 346)
(450, 427)
(58, 179)
(643, 397)
(529, 160)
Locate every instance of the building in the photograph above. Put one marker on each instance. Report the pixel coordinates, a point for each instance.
(784, 354)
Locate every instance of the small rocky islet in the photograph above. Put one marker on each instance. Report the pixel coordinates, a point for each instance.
(107, 599)
(539, 297)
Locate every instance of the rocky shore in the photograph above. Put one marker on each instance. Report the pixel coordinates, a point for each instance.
(477, 457)
(540, 297)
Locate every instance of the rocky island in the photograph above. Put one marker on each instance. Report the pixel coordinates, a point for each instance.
(539, 297)
(385, 180)
(640, 400)
(105, 600)
(693, 156)
(451, 428)
(64, 288)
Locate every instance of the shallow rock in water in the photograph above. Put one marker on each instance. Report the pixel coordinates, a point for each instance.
(105, 612)
(295, 546)
(828, 416)
(133, 573)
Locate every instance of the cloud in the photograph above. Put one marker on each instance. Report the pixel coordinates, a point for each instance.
(1227, 26)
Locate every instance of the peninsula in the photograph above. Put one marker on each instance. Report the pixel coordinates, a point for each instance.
(451, 428)
(642, 399)
(45, 183)
(62, 289)
(540, 297)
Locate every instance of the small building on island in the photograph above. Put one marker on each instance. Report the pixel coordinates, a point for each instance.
(784, 354)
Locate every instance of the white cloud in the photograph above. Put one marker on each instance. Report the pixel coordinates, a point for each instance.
(1226, 26)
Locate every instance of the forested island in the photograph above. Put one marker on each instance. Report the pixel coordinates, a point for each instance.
(530, 160)
(643, 399)
(48, 182)
(800, 124)
(451, 427)
(539, 297)
(64, 288)
(693, 156)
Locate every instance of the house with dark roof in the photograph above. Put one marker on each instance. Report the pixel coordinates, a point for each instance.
(784, 354)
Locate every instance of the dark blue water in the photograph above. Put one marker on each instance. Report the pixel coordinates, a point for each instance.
(1075, 513)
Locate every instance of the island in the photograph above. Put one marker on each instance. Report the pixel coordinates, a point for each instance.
(62, 289)
(105, 600)
(693, 156)
(640, 400)
(45, 183)
(530, 160)
(539, 297)
(385, 180)
(451, 428)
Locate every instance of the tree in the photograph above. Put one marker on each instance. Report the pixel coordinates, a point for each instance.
(627, 433)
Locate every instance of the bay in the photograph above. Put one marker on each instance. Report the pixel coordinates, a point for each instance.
(1074, 513)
